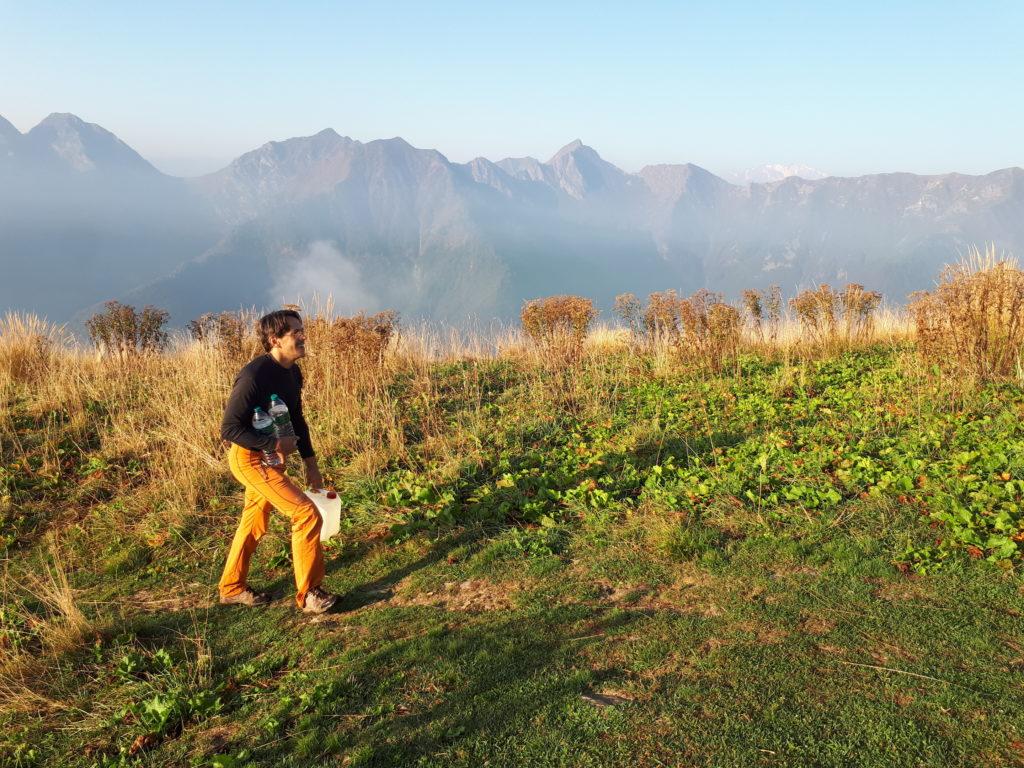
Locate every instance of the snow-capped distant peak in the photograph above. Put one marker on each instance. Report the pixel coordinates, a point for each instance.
(764, 174)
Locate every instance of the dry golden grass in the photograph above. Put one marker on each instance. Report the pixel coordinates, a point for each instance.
(791, 338)
(28, 347)
(62, 627)
(352, 359)
(65, 625)
(607, 340)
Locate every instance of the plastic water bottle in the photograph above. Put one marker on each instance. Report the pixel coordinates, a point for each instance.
(263, 424)
(282, 420)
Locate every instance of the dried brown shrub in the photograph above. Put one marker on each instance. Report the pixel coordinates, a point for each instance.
(858, 310)
(694, 313)
(233, 334)
(701, 328)
(630, 311)
(357, 344)
(755, 309)
(724, 327)
(661, 318)
(973, 322)
(816, 311)
(830, 317)
(712, 328)
(122, 330)
(764, 309)
(558, 325)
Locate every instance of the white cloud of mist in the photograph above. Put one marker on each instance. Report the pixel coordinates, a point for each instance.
(322, 276)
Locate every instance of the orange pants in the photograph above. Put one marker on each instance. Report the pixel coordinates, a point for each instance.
(267, 487)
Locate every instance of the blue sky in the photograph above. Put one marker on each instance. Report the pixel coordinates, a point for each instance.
(849, 88)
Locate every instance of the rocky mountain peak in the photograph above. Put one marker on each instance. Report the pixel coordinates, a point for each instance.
(669, 182)
(581, 171)
(569, 149)
(7, 130)
(82, 146)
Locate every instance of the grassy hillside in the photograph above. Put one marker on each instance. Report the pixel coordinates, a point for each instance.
(807, 555)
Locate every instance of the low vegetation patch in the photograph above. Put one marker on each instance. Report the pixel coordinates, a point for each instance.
(724, 539)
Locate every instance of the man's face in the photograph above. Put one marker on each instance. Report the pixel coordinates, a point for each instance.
(293, 343)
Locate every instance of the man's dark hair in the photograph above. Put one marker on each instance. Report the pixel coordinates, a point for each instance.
(274, 324)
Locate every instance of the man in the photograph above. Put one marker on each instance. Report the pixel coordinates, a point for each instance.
(274, 373)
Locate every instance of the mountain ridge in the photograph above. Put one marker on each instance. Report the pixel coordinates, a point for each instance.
(8, 128)
(390, 225)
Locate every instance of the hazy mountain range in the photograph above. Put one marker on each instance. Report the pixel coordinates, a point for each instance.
(382, 224)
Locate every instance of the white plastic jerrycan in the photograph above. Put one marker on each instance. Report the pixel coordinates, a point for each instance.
(329, 505)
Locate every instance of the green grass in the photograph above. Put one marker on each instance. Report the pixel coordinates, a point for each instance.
(808, 565)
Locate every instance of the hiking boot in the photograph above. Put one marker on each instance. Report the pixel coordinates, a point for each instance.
(319, 601)
(248, 596)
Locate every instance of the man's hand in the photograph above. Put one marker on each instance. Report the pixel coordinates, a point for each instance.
(285, 445)
(313, 477)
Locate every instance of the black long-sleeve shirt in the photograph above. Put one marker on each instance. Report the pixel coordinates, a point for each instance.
(254, 385)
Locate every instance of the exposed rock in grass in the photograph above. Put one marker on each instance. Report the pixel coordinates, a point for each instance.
(606, 698)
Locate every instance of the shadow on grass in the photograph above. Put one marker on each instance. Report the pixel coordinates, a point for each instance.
(382, 588)
(465, 683)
